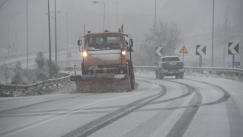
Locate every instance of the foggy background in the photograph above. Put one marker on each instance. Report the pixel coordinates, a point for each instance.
(194, 18)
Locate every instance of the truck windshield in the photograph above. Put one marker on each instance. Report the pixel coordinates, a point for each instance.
(170, 59)
(104, 42)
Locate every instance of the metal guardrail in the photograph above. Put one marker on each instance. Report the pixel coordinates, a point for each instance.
(215, 69)
(210, 69)
(29, 87)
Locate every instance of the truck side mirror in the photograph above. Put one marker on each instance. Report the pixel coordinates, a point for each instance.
(79, 42)
(130, 42)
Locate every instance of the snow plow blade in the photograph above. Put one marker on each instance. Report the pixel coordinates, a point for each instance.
(98, 83)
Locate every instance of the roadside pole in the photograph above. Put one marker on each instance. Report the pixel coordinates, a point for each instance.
(183, 50)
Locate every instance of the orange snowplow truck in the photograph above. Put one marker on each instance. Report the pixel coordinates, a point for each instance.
(106, 62)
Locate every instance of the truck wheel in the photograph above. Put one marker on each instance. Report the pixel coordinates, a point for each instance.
(156, 73)
(181, 75)
(177, 76)
(162, 76)
(131, 73)
(132, 80)
(82, 65)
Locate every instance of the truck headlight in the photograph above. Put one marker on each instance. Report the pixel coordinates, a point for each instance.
(84, 53)
(124, 52)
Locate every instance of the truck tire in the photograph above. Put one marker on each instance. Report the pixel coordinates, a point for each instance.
(156, 73)
(181, 75)
(131, 73)
(82, 66)
(161, 76)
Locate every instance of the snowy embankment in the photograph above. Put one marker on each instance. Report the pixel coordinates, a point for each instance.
(230, 76)
(60, 85)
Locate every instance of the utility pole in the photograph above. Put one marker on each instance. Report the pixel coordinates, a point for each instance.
(55, 31)
(49, 27)
(225, 33)
(153, 58)
(212, 36)
(27, 35)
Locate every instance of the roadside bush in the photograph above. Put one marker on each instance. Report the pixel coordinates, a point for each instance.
(17, 77)
(42, 72)
(5, 73)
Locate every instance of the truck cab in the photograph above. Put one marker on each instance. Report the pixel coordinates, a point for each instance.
(104, 52)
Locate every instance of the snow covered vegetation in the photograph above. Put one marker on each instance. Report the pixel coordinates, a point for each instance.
(18, 75)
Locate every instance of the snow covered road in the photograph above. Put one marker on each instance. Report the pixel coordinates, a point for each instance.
(190, 107)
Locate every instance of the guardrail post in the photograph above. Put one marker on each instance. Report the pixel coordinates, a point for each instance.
(74, 69)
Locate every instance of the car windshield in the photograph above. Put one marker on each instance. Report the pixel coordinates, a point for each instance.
(104, 42)
(170, 59)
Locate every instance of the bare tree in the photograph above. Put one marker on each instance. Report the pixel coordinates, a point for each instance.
(166, 35)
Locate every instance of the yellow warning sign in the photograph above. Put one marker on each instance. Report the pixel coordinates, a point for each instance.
(69, 55)
(183, 50)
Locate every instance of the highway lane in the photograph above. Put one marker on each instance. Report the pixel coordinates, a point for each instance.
(194, 106)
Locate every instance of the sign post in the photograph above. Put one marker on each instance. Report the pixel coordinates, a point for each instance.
(183, 50)
(236, 64)
(200, 50)
(69, 56)
(233, 49)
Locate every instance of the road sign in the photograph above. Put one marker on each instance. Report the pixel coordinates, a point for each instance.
(233, 48)
(159, 51)
(183, 50)
(69, 55)
(236, 63)
(200, 50)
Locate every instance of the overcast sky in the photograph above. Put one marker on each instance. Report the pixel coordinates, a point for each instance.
(193, 16)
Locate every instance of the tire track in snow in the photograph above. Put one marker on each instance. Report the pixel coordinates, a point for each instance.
(99, 123)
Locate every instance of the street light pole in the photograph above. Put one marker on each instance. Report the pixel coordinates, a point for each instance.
(104, 13)
(155, 13)
(212, 36)
(27, 35)
(153, 58)
(55, 33)
(49, 27)
(8, 29)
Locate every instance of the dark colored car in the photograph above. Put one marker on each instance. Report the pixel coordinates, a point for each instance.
(170, 66)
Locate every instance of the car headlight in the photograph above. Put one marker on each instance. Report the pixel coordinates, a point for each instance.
(124, 52)
(84, 53)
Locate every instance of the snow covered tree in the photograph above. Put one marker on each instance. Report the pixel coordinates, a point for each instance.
(166, 35)
(17, 78)
(6, 71)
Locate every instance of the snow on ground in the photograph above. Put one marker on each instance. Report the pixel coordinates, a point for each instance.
(232, 77)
